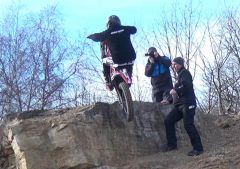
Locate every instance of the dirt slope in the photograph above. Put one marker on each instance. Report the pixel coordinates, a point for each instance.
(220, 136)
(221, 140)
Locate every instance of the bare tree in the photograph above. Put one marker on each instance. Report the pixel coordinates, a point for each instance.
(221, 66)
(37, 61)
(231, 26)
(180, 33)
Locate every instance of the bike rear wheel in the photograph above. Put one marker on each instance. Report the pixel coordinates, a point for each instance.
(125, 100)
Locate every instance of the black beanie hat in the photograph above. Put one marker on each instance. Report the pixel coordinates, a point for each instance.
(179, 60)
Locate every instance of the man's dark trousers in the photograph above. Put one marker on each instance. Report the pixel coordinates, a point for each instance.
(179, 112)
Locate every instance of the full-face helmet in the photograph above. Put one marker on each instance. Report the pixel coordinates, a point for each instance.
(113, 20)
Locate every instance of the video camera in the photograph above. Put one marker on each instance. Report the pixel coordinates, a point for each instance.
(151, 54)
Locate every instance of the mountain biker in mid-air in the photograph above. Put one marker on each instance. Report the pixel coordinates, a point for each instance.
(117, 39)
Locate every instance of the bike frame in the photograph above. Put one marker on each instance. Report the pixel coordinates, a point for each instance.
(121, 81)
(118, 74)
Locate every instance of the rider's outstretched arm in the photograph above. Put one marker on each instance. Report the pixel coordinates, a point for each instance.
(130, 29)
(99, 37)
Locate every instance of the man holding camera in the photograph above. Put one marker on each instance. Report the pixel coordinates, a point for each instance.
(157, 68)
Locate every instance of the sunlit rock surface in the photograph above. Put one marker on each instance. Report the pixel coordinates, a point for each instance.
(85, 137)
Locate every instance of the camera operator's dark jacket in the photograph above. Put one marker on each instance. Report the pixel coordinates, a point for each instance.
(159, 73)
(184, 88)
(119, 42)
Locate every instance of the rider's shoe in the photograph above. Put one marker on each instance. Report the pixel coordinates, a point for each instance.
(195, 152)
(109, 86)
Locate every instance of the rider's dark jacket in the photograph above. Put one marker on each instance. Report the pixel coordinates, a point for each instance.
(119, 42)
(159, 73)
(184, 88)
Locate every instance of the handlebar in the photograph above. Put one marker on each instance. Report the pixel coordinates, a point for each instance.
(109, 61)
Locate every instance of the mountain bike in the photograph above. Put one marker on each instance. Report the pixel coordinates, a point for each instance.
(121, 82)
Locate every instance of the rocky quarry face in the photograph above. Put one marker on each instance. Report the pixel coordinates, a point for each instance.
(95, 137)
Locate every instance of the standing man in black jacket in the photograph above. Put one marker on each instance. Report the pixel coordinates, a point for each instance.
(185, 105)
(117, 39)
(157, 68)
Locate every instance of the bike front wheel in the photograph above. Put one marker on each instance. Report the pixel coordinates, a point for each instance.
(125, 100)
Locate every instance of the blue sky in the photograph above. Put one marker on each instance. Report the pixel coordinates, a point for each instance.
(90, 15)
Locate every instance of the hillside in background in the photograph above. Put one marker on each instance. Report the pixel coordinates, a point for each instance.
(94, 137)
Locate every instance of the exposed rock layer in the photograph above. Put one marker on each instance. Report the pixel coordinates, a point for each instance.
(95, 137)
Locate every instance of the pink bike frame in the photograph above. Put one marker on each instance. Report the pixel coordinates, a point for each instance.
(114, 72)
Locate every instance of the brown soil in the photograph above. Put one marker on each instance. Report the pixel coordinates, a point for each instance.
(221, 141)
